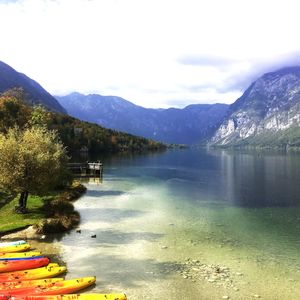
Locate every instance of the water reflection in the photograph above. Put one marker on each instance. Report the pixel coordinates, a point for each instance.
(249, 179)
(260, 180)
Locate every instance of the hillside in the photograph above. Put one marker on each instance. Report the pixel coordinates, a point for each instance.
(35, 93)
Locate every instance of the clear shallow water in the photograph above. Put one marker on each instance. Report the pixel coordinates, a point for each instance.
(163, 222)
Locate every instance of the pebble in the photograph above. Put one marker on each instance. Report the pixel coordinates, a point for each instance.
(239, 274)
(164, 247)
(256, 296)
(225, 297)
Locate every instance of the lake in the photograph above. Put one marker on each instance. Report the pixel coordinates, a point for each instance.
(191, 224)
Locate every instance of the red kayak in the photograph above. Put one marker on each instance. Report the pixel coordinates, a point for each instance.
(17, 265)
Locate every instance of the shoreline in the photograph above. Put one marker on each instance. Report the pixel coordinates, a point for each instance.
(61, 216)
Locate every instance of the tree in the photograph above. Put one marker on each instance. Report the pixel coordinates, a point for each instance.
(31, 161)
(13, 111)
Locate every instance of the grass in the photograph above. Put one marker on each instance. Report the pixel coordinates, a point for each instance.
(55, 205)
(12, 221)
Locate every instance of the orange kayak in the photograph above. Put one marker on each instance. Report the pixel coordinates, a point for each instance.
(55, 288)
(27, 283)
(51, 270)
(17, 265)
(69, 297)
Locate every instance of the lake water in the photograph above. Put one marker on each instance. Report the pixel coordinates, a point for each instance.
(191, 224)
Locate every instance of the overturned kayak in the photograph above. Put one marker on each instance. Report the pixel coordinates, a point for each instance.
(14, 248)
(23, 264)
(51, 270)
(19, 255)
(68, 297)
(20, 242)
(27, 283)
(55, 288)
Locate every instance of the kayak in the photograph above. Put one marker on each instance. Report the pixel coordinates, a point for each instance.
(19, 255)
(55, 288)
(14, 248)
(27, 283)
(24, 264)
(20, 258)
(4, 244)
(51, 270)
(69, 297)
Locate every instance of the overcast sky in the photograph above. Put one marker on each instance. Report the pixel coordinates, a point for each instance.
(155, 53)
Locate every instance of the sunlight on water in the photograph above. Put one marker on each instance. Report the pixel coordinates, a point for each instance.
(191, 225)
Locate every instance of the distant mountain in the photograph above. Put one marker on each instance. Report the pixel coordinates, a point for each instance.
(267, 114)
(191, 125)
(35, 94)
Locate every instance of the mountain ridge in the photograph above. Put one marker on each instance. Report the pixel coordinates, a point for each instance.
(36, 94)
(190, 125)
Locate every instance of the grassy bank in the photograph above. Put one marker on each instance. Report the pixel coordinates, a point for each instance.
(51, 213)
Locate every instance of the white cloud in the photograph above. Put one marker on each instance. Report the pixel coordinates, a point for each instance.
(152, 52)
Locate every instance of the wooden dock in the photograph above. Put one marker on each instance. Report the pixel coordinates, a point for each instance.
(86, 169)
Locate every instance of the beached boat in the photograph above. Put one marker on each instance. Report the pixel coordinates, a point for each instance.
(68, 297)
(55, 288)
(17, 284)
(14, 248)
(24, 264)
(51, 270)
(19, 255)
(11, 243)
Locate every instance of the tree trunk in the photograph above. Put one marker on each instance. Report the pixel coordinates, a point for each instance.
(22, 202)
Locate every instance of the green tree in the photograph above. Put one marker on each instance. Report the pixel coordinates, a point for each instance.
(32, 161)
(13, 112)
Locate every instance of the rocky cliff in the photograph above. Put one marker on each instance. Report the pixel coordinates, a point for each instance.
(268, 113)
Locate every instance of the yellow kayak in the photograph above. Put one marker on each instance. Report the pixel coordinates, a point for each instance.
(14, 248)
(20, 254)
(28, 283)
(69, 297)
(51, 270)
(56, 288)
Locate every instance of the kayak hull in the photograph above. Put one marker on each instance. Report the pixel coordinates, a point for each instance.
(23, 264)
(27, 283)
(20, 242)
(55, 288)
(49, 271)
(69, 297)
(19, 255)
(14, 248)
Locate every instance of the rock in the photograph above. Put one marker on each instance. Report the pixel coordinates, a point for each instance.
(225, 297)
(93, 236)
(28, 233)
(164, 247)
(256, 296)
(78, 230)
(239, 274)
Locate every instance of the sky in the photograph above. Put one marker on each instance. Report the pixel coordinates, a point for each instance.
(154, 53)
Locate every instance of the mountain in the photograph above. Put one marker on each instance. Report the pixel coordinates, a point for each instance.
(191, 125)
(35, 94)
(267, 114)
